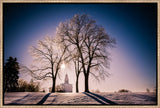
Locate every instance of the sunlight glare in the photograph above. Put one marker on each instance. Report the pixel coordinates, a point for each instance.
(63, 66)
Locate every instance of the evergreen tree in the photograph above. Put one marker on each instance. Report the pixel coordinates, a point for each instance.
(10, 75)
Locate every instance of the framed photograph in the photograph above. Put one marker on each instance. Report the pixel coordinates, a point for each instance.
(79, 53)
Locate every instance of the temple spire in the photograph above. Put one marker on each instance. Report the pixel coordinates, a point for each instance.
(66, 81)
(67, 87)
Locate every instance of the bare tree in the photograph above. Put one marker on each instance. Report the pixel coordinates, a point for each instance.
(82, 33)
(78, 67)
(48, 55)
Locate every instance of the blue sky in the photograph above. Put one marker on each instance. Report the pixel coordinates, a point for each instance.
(133, 25)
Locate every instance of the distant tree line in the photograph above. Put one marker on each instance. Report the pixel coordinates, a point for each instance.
(24, 86)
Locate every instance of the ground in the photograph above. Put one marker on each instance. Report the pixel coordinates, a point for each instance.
(30, 98)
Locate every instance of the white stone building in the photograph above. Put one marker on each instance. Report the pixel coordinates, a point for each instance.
(67, 87)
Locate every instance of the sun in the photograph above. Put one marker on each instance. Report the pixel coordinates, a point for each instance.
(63, 66)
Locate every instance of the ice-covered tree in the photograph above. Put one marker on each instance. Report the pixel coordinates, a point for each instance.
(81, 33)
(49, 56)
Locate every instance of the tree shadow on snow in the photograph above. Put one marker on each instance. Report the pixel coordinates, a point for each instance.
(43, 99)
(16, 101)
(99, 98)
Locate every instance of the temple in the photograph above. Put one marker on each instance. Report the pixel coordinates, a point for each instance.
(67, 87)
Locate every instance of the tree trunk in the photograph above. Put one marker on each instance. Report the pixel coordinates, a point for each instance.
(86, 83)
(53, 84)
(77, 84)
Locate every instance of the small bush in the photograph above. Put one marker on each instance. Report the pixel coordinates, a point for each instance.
(59, 88)
(95, 91)
(123, 90)
(50, 89)
(147, 90)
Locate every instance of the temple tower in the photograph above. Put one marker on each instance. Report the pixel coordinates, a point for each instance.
(67, 87)
(66, 81)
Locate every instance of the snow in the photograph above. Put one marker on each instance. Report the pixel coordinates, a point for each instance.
(80, 98)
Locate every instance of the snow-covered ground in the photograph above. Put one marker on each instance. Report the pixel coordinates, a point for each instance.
(79, 98)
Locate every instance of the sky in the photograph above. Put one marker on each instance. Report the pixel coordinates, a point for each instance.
(134, 26)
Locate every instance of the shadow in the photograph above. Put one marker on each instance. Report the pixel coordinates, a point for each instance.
(43, 99)
(104, 99)
(54, 98)
(86, 93)
(99, 98)
(15, 102)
